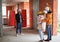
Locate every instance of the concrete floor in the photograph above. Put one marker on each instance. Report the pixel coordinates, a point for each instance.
(29, 36)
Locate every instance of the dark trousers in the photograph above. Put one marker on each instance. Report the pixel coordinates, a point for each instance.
(49, 31)
(18, 26)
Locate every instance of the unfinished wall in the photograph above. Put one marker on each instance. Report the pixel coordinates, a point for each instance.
(1, 28)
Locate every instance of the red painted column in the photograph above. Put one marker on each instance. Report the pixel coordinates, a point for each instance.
(11, 20)
(24, 24)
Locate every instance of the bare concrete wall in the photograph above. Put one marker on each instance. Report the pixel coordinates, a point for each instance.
(1, 29)
(35, 10)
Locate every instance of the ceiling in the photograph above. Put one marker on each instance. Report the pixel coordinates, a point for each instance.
(15, 1)
(12, 2)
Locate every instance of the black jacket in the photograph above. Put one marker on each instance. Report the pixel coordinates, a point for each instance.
(17, 17)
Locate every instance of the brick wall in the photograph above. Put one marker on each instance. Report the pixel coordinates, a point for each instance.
(21, 5)
(31, 12)
(55, 16)
(43, 4)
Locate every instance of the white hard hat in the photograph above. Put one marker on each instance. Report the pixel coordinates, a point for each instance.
(45, 12)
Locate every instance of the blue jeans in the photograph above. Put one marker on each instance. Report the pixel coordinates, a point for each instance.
(49, 31)
(41, 33)
(19, 26)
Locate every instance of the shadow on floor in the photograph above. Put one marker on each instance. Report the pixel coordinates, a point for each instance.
(12, 31)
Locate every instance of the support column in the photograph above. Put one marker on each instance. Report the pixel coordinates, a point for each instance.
(35, 10)
(55, 16)
(1, 29)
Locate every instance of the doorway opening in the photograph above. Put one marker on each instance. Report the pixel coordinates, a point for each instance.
(58, 16)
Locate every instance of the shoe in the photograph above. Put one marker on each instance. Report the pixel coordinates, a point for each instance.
(41, 41)
(47, 40)
(21, 34)
(16, 34)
